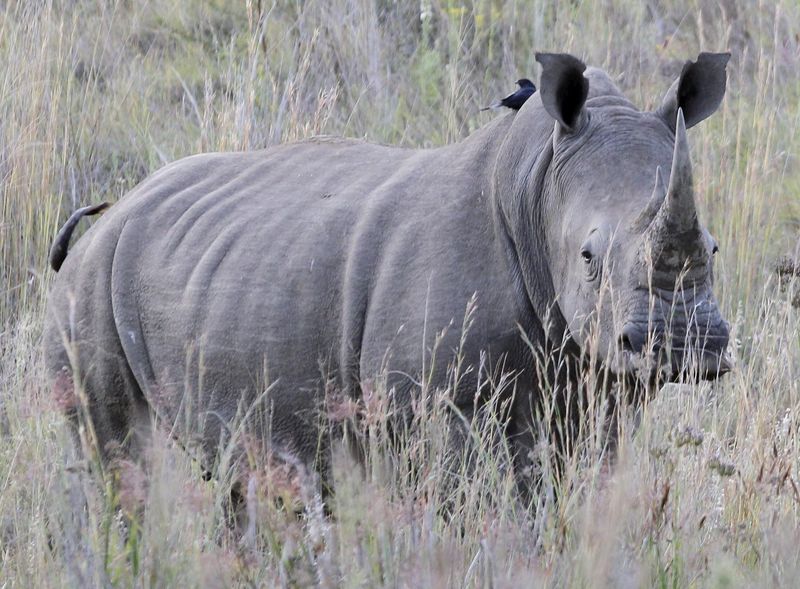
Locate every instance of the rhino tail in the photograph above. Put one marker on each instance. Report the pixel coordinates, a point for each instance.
(58, 251)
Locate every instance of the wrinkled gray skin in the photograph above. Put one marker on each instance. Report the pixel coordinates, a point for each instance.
(338, 260)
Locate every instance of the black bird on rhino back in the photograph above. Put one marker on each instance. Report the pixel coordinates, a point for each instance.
(515, 100)
(329, 262)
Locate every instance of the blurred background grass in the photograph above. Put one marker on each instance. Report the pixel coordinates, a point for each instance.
(97, 94)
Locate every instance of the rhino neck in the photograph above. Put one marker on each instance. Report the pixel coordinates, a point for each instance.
(518, 189)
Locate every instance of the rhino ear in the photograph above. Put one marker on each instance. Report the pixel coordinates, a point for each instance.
(698, 91)
(563, 88)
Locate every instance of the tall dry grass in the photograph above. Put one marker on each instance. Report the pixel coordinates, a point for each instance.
(94, 95)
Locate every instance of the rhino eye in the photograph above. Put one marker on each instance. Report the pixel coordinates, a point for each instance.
(714, 249)
(586, 255)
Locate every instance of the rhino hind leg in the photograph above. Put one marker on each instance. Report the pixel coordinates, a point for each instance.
(103, 403)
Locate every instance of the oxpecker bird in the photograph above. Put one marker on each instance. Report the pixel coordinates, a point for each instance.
(518, 98)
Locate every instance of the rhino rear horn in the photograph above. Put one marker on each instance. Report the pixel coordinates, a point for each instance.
(698, 91)
(653, 205)
(563, 88)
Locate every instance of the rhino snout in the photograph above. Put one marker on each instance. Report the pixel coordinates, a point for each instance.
(655, 350)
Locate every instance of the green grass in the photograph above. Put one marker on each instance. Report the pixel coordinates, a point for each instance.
(96, 95)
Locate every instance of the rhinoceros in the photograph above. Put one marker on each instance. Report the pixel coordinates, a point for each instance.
(229, 280)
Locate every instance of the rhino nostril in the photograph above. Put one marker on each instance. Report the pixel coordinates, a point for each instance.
(625, 343)
(632, 338)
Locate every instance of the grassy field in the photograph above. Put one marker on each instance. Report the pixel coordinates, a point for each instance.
(96, 94)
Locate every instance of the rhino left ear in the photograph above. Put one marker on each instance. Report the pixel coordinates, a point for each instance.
(698, 91)
(563, 88)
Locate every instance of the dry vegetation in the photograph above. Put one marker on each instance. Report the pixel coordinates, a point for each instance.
(95, 94)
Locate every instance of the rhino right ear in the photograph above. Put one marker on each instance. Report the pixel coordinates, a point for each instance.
(563, 88)
(698, 91)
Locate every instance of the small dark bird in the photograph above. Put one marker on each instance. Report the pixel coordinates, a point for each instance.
(518, 98)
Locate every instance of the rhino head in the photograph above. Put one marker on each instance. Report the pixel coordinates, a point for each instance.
(633, 275)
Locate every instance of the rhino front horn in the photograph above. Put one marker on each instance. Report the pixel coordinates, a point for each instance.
(679, 205)
(677, 213)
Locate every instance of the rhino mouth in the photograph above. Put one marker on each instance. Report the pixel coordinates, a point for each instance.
(684, 355)
(658, 367)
